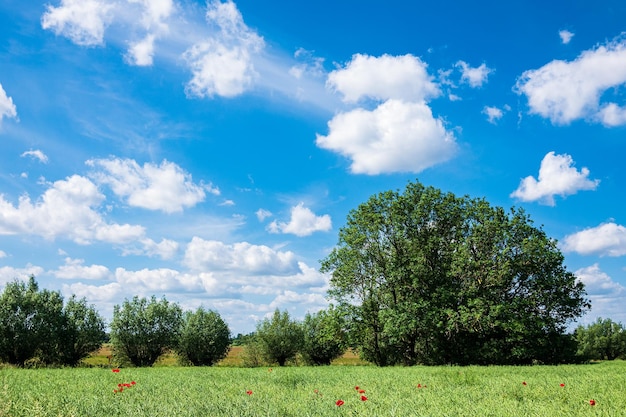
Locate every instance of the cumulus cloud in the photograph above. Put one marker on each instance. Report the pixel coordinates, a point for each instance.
(68, 209)
(382, 78)
(36, 154)
(75, 269)
(557, 176)
(165, 187)
(212, 255)
(608, 239)
(474, 76)
(154, 20)
(606, 295)
(7, 108)
(400, 134)
(566, 36)
(303, 222)
(223, 65)
(9, 274)
(397, 136)
(564, 91)
(82, 21)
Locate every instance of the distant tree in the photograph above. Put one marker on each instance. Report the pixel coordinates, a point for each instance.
(205, 338)
(84, 331)
(602, 340)
(143, 330)
(279, 339)
(432, 278)
(323, 337)
(35, 325)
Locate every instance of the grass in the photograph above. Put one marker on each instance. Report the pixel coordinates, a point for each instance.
(313, 391)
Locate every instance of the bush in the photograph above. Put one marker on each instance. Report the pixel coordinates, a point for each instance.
(279, 339)
(143, 330)
(323, 337)
(602, 340)
(205, 338)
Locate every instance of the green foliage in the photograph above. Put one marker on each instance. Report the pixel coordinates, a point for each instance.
(432, 278)
(323, 337)
(204, 339)
(143, 330)
(603, 340)
(279, 339)
(37, 329)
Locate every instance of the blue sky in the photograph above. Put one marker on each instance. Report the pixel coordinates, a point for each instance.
(210, 152)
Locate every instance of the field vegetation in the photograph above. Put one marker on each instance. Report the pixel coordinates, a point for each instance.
(564, 390)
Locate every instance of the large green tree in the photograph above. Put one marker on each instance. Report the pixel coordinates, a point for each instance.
(432, 278)
(142, 329)
(604, 340)
(204, 339)
(279, 339)
(36, 325)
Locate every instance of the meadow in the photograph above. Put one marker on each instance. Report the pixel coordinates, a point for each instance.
(565, 390)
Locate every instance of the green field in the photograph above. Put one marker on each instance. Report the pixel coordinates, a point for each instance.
(313, 391)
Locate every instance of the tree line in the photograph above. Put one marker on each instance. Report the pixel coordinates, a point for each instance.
(417, 277)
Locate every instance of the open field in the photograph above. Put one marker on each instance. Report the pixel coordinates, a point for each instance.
(314, 391)
(234, 358)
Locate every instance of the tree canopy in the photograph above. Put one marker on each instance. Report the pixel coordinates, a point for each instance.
(36, 325)
(432, 278)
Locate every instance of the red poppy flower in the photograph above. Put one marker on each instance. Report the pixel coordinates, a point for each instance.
(356, 388)
(592, 402)
(249, 392)
(361, 391)
(116, 370)
(114, 391)
(363, 398)
(119, 385)
(562, 384)
(339, 403)
(419, 385)
(132, 382)
(524, 383)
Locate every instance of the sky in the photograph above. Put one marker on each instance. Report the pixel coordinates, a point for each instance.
(209, 152)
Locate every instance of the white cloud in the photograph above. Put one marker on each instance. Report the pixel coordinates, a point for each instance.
(557, 176)
(37, 154)
(222, 65)
(566, 36)
(474, 76)
(166, 249)
(309, 64)
(493, 114)
(397, 136)
(263, 214)
(3, 254)
(164, 187)
(564, 91)
(607, 296)
(74, 269)
(67, 209)
(83, 21)
(7, 108)
(9, 274)
(303, 222)
(211, 255)
(382, 78)
(141, 53)
(607, 239)
(154, 16)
